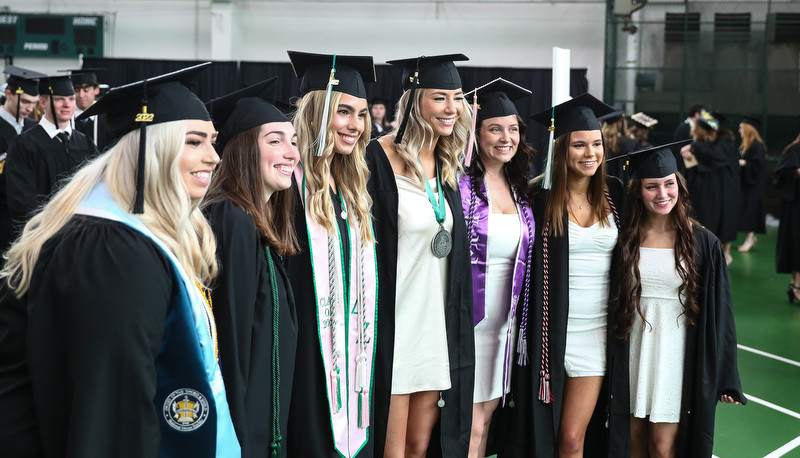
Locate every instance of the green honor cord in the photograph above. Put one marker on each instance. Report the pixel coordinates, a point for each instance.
(438, 206)
(275, 445)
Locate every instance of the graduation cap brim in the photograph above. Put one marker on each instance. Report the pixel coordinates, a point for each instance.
(27, 80)
(244, 109)
(496, 98)
(755, 122)
(614, 116)
(56, 85)
(315, 69)
(84, 76)
(577, 114)
(435, 72)
(652, 162)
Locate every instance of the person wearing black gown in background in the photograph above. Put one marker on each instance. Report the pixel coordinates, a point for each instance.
(786, 179)
(338, 399)
(249, 206)
(617, 142)
(107, 346)
(752, 162)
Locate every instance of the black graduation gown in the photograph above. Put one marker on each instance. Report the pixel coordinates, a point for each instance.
(753, 175)
(619, 167)
(78, 353)
(86, 127)
(787, 185)
(453, 427)
(242, 299)
(710, 365)
(682, 132)
(35, 165)
(531, 427)
(731, 191)
(7, 134)
(712, 187)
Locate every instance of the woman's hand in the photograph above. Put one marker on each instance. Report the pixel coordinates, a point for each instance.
(686, 151)
(727, 399)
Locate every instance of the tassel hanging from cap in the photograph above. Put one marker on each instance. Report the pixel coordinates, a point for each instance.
(414, 83)
(547, 182)
(19, 93)
(323, 123)
(471, 143)
(143, 118)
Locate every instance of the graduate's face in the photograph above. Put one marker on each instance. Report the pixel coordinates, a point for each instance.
(86, 95)
(441, 109)
(584, 153)
(498, 140)
(660, 195)
(198, 158)
(277, 143)
(378, 111)
(348, 123)
(26, 104)
(64, 105)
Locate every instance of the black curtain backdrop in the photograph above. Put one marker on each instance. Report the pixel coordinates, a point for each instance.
(224, 77)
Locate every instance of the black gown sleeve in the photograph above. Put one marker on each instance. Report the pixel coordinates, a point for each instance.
(753, 169)
(710, 156)
(22, 195)
(785, 175)
(97, 308)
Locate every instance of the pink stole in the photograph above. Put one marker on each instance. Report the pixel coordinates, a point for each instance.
(349, 364)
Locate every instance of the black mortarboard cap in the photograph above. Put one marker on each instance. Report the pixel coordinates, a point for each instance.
(56, 85)
(378, 101)
(580, 113)
(151, 101)
(84, 76)
(244, 109)
(752, 120)
(708, 120)
(614, 116)
(717, 114)
(652, 162)
(315, 70)
(431, 72)
(497, 98)
(427, 72)
(22, 78)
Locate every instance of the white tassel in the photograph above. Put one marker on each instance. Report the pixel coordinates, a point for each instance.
(323, 123)
(547, 182)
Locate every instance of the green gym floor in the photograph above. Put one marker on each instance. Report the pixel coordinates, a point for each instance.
(768, 331)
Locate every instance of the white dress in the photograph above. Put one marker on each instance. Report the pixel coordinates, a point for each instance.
(658, 345)
(491, 333)
(421, 361)
(589, 264)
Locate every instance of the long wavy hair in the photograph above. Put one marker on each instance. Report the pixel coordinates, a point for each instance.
(238, 179)
(449, 150)
(613, 132)
(168, 211)
(628, 295)
(790, 145)
(350, 169)
(517, 171)
(749, 135)
(703, 134)
(558, 197)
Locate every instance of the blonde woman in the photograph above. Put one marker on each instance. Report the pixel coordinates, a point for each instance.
(109, 308)
(424, 264)
(332, 412)
(752, 162)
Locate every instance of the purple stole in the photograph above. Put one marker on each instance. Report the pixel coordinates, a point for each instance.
(476, 214)
(344, 323)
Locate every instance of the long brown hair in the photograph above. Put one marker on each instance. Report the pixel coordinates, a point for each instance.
(629, 291)
(790, 145)
(238, 179)
(613, 132)
(559, 193)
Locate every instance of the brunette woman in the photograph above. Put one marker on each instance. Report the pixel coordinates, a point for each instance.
(424, 263)
(249, 207)
(110, 348)
(617, 142)
(673, 346)
(501, 229)
(752, 162)
(787, 183)
(333, 276)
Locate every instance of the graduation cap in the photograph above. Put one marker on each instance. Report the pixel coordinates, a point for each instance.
(717, 114)
(752, 120)
(643, 120)
(577, 114)
(492, 100)
(84, 76)
(378, 101)
(708, 120)
(22, 81)
(349, 73)
(151, 101)
(244, 109)
(652, 162)
(614, 116)
(56, 85)
(427, 72)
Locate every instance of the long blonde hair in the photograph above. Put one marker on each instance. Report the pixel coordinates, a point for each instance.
(450, 150)
(168, 212)
(749, 135)
(351, 169)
